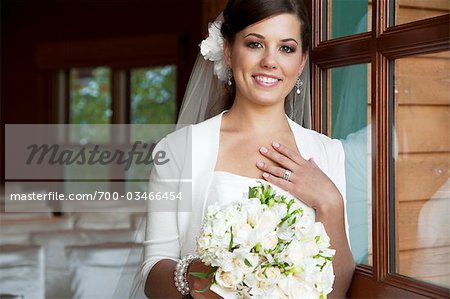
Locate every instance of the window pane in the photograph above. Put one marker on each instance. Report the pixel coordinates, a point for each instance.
(346, 17)
(422, 167)
(153, 95)
(90, 103)
(412, 10)
(348, 118)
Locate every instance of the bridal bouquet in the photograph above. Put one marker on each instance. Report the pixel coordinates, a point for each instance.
(264, 246)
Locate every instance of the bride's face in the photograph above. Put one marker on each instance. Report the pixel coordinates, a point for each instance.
(267, 59)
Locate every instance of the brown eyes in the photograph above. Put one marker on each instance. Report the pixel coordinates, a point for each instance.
(258, 45)
(287, 49)
(254, 45)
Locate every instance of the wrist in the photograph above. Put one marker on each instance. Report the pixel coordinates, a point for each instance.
(331, 207)
(180, 274)
(191, 268)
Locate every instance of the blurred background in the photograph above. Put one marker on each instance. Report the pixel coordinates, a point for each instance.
(86, 62)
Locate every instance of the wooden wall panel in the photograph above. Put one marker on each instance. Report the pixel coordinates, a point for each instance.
(423, 129)
(423, 80)
(425, 4)
(428, 264)
(409, 223)
(413, 10)
(419, 176)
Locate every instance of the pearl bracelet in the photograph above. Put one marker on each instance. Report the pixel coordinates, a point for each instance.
(180, 278)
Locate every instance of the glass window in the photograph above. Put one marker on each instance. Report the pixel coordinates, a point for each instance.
(90, 103)
(422, 167)
(406, 11)
(348, 119)
(346, 17)
(90, 96)
(153, 95)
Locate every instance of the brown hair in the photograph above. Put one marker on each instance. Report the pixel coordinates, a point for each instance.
(240, 14)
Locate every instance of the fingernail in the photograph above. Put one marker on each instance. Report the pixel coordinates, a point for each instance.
(265, 175)
(260, 164)
(263, 150)
(276, 144)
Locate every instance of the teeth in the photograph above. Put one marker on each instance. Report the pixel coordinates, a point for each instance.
(266, 79)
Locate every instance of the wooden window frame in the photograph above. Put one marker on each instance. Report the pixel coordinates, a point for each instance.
(379, 47)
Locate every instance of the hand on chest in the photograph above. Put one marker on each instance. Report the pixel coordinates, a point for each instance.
(239, 153)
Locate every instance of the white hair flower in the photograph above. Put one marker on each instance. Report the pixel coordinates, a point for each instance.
(212, 49)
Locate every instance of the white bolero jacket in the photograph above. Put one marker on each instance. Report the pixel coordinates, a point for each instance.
(173, 226)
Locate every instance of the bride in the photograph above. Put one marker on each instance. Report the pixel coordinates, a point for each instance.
(258, 54)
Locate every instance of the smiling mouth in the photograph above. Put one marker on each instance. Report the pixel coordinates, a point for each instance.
(266, 81)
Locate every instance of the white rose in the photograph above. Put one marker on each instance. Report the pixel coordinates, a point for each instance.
(296, 288)
(267, 277)
(270, 241)
(228, 280)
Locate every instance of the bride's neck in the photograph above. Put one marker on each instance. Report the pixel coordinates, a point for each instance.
(257, 120)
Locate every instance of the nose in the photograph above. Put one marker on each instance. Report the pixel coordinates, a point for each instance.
(268, 60)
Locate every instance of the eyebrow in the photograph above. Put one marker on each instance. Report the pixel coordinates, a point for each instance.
(262, 37)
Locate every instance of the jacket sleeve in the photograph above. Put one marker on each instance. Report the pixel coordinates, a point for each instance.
(336, 162)
(162, 234)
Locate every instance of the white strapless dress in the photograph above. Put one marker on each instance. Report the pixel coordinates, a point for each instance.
(227, 187)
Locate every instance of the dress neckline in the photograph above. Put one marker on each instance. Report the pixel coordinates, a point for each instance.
(224, 172)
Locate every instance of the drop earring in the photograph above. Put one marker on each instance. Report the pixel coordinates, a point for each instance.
(229, 76)
(298, 85)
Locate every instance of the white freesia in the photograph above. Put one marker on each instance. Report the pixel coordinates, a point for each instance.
(266, 224)
(212, 48)
(266, 246)
(254, 210)
(242, 234)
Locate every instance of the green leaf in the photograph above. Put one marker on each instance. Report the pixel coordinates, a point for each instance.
(291, 202)
(212, 271)
(252, 193)
(247, 263)
(205, 289)
(200, 274)
(230, 246)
